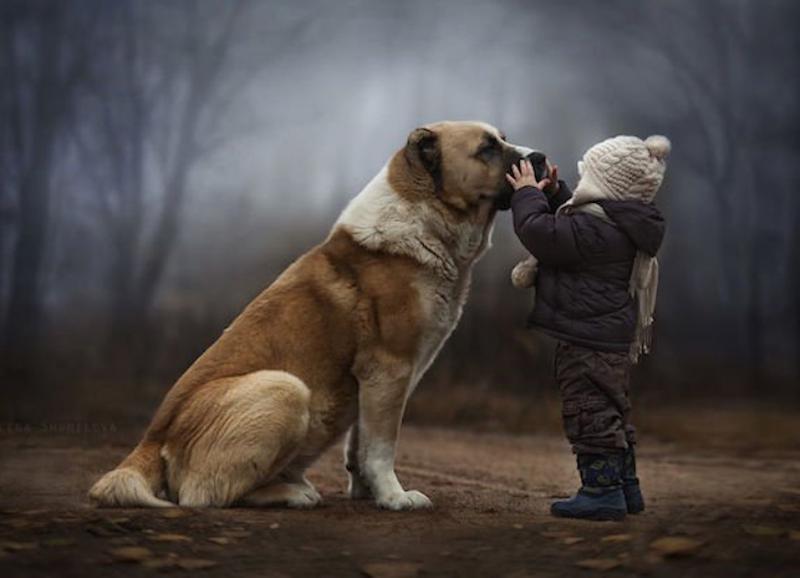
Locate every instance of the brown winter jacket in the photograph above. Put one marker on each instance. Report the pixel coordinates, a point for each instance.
(585, 265)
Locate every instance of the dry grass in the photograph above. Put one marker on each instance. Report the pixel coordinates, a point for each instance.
(484, 410)
(744, 426)
(747, 427)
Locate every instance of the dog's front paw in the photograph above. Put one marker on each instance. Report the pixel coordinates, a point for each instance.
(407, 500)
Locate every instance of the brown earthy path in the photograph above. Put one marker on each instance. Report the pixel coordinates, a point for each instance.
(726, 514)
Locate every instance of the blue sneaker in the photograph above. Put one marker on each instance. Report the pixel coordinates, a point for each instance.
(601, 496)
(630, 483)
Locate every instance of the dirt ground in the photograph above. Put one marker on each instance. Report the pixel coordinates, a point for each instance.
(709, 513)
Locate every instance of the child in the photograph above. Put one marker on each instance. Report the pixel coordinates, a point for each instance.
(595, 293)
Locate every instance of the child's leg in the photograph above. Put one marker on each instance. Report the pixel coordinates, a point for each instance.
(630, 482)
(595, 408)
(594, 396)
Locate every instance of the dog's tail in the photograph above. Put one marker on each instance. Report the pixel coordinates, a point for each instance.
(135, 482)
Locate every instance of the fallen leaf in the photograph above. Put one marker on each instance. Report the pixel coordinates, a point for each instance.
(236, 533)
(615, 538)
(221, 540)
(602, 564)
(66, 519)
(572, 540)
(170, 538)
(674, 546)
(391, 569)
(160, 563)
(274, 526)
(517, 526)
(194, 563)
(131, 553)
(175, 513)
(34, 512)
(756, 530)
(555, 534)
(18, 546)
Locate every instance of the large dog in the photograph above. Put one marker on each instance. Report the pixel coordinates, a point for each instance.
(338, 342)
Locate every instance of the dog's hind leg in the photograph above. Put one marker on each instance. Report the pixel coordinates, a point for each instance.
(237, 436)
(290, 488)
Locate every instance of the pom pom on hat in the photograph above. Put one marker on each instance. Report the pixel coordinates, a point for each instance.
(658, 145)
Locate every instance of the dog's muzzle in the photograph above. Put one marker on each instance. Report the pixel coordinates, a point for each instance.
(540, 170)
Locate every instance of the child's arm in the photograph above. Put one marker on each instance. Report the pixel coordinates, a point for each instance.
(549, 238)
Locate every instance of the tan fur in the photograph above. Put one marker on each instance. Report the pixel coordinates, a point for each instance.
(340, 339)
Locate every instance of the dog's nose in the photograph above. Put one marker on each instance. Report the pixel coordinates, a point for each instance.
(539, 162)
(536, 158)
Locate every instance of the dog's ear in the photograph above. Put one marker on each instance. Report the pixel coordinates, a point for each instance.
(422, 149)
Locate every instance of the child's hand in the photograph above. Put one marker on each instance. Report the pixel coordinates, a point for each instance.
(553, 186)
(524, 177)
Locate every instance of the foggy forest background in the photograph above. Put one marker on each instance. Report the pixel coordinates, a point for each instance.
(161, 162)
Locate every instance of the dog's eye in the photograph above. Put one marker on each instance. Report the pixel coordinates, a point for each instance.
(488, 150)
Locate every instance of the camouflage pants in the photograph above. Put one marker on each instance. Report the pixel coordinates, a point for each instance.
(594, 398)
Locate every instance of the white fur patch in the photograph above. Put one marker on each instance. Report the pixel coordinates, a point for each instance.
(380, 219)
(524, 151)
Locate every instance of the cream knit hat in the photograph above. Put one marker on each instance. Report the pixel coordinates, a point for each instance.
(626, 168)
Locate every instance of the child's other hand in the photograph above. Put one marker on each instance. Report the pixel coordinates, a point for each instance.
(524, 176)
(553, 186)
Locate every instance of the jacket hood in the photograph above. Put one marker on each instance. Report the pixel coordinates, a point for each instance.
(642, 222)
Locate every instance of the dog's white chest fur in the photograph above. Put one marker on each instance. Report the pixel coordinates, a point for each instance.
(380, 219)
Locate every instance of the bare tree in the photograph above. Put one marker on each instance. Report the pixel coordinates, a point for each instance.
(145, 129)
(43, 61)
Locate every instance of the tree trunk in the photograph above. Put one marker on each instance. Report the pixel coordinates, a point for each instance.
(23, 321)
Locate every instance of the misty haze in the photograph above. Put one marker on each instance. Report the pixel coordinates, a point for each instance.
(163, 161)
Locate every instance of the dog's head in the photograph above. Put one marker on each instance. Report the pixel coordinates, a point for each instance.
(464, 163)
